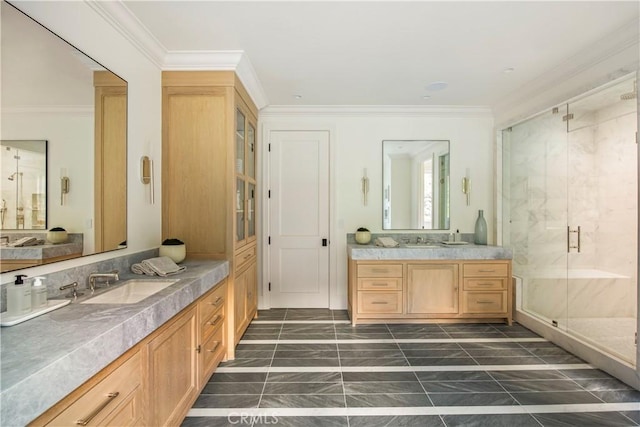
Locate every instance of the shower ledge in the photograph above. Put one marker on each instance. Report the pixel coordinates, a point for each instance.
(572, 274)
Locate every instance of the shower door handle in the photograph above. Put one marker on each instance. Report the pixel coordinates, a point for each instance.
(578, 231)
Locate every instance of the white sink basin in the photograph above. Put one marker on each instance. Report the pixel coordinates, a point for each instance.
(131, 291)
(421, 245)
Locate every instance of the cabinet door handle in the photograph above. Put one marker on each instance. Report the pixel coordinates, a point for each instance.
(211, 350)
(218, 301)
(379, 284)
(215, 320)
(484, 284)
(484, 302)
(198, 348)
(487, 271)
(379, 302)
(86, 420)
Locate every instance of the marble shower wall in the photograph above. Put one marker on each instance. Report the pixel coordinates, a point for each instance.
(581, 173)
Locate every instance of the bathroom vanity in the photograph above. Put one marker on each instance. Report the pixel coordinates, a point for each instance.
(431, 284)
(142, 363)
(30, 256)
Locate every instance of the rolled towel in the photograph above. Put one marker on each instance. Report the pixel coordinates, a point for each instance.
(162, 266)
(139, 268)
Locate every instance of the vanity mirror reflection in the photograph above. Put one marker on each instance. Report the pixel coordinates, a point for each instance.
(77, 110)
(25, 190)
(415, 185)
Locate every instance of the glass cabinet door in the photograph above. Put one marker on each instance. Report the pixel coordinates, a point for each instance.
(251, 151)
(245, 167)
(240, 141)
(240, 218)
(251, 206)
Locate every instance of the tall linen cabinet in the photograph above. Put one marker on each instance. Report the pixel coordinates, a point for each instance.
(209, 180)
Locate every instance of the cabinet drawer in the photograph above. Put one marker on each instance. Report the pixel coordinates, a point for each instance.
(212, 351)
(244, 258)
(486, 270)
(116, 400)
(383, 284)
(380, 302)
(488, 284)
(379, 270)
(212, 324)
(212, 302)
(485, 302)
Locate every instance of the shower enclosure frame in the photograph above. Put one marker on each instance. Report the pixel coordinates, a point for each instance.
(560, 333)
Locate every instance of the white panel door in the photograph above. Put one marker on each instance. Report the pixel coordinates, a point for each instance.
(299, 219)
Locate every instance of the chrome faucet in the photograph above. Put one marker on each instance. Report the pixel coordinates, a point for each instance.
(418, 239)
(107, 276)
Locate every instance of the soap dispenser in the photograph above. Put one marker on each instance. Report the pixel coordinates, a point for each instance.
(38, 293)
(18, 297)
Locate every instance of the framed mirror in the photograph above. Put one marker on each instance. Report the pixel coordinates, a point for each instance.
(50, 91)
(415, 185)
(25, 189)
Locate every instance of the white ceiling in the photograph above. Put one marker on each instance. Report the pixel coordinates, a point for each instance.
(388, 52)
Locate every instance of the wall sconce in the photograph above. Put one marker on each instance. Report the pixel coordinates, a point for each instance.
(466, 187)
(146, 175)
(64, 185)
(365, 186)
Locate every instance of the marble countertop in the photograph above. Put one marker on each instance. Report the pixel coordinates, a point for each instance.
(45, 251)
(440, 251)
(44, 359)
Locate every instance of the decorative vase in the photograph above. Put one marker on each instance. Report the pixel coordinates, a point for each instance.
(480, 235)
(57, 235)
(363, 237)
(174, 249)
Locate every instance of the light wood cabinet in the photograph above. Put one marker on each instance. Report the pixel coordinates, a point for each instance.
(487, 289)
(156, 382)
(432, 289)
(429, 291)
(113, 397)
(212, 344)
(209, 183)
(245, 291)
(379, 289)
(110, 165)
(172, 364)
(183, 355)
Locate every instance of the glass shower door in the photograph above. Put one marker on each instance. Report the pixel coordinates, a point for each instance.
(535, 212)
(602, 213)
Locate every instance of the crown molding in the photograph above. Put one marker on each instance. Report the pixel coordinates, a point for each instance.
(118, 15)
(249, 78)
(235, 60)
(378, 110)
(126, 23)
(201, 60)
(50, 109)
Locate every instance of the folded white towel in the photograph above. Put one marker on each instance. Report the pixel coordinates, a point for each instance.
(160, 266)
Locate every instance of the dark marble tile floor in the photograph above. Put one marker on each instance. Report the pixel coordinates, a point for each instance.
(328, 373)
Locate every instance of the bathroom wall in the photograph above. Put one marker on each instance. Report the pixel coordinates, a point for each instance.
(82, 25)
(356, 143)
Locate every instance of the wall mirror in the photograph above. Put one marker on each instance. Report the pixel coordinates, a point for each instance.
(51, 91)
(415, 185)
